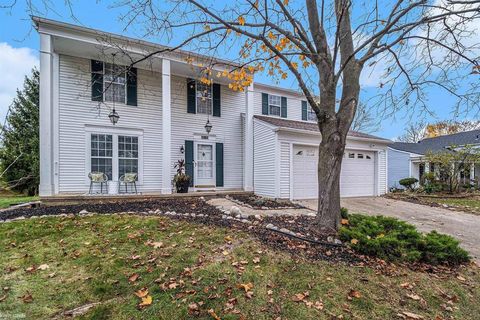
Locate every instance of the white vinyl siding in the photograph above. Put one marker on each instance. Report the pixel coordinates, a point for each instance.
(264, 167)
(398, 167)
(77, 111)
(225, 129)
(284, 170)
(382, 172)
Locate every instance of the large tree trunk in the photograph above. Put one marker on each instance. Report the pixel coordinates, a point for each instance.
(330, 157)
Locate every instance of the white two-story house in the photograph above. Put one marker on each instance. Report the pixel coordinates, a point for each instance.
(264, 139)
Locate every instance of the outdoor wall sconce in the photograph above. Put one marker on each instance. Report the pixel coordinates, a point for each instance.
(114, 116)
(208, 127)
(182, 150)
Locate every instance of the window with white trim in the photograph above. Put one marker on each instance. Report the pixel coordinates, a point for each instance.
(114, 82)
(274, 105)
(311, 115)
(204, 98)
(101, 148)
(127, 155)
(115, 154)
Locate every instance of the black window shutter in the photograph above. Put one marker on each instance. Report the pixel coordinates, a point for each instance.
(284, 107)
(191, 98)
(216, 100)
(265, 103)
(219, 164)
(132, 87)
(304, 110)
(97, 80)
(189, 164)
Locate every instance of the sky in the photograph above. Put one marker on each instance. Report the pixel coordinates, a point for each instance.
(19, 45)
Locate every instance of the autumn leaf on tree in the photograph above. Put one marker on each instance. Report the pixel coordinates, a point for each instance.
(241, 20)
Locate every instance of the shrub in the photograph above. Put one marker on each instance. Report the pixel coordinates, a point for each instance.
(408, 182)
(395, 240)
(344, 213)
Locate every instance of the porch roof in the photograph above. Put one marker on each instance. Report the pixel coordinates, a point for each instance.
(312, 127)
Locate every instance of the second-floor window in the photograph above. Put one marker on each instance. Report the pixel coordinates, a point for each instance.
(311, 115)
(114, 83)
(274, 105)
(204, 98)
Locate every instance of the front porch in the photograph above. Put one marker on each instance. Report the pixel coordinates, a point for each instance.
(92, 198)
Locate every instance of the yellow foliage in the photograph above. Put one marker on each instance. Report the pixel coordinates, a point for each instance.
(241, 20)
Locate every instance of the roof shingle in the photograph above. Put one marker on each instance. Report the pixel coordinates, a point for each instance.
(439, 143)
(309, 126)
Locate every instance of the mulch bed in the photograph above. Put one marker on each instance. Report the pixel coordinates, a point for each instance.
(428, 200)
(257, 202)
(213, 216)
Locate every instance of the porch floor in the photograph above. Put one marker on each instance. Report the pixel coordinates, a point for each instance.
(72, 198)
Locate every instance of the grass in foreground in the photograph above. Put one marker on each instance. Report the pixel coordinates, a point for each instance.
(7, 201)
(190, 269)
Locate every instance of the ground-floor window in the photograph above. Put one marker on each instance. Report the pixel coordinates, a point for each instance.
(102, 154)
(114, 154)
(127, 155)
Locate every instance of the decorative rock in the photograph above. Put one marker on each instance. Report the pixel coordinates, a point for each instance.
(338, 241)
(246, 221)
(265, 208)
(330, 239)
(271, 227)
(235, 210)
(84, 211)
(202, 198)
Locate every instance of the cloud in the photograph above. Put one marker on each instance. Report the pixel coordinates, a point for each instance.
(15, 64)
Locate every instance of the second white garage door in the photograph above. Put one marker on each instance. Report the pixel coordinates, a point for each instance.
(357, 177)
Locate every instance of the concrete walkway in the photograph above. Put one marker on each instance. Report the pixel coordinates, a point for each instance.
(461, 225)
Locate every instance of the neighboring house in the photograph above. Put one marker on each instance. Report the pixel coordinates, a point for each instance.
(408, 159)
(264, 139)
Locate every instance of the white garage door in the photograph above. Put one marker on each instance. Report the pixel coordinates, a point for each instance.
(357, 177)
(358, 174)
(305, 182)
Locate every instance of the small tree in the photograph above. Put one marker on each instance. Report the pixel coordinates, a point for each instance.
(19, 155)
(451, 162)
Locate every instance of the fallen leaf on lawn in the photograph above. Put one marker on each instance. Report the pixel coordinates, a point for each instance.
(354, 294)
(146, 301)
(31, 269)
(245, 286)
(269, 292)
(344, 221)
(406, 285)
(256, 260)
(212, 313)
(27, 298)
(155, 245)
(43, 267)
(412, 316)
(354, 241)
(133, 277)
(193, 309)
(225, 252)
(318, 305)
(2, 298)
(413, 296)
(136, 257)
(461, 278)
(249, 294)
(51, 275)
(228, 239)
(141, 293)
(298, 297)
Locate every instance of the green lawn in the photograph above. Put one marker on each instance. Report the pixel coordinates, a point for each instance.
(90, 259)
(7, 201)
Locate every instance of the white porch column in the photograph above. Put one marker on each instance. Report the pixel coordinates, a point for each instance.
(248, 147)
(46, 187)
(166, 128)
(472, 173)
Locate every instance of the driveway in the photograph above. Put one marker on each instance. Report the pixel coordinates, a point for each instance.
(461, 225)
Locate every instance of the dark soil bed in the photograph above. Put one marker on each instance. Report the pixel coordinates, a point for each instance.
(261, 203)
(323, 250)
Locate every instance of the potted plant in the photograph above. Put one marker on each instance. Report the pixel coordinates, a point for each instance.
(181, 180)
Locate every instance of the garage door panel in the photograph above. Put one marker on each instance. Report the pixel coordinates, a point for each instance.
(357, 176)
